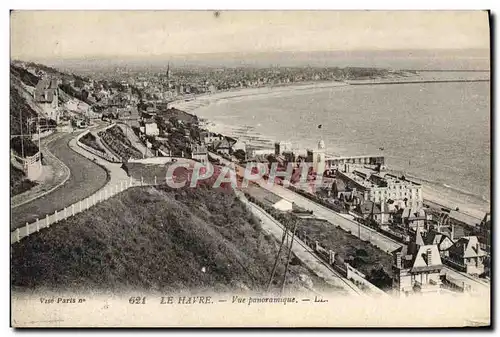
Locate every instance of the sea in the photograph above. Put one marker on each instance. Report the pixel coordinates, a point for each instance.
(435, 133)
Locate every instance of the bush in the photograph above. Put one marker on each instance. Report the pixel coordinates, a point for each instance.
(361, 252)
(18, 181)
(380, 278)
(28, 146)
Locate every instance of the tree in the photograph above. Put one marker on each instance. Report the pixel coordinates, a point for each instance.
(239, 154)
(335, 189)
(379, 278)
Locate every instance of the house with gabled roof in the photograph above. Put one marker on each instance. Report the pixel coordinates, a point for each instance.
(417, 267)
(222, 146)
(413, 217)
(441, 240)
(467, 252)
(379, 212)
(46, 95)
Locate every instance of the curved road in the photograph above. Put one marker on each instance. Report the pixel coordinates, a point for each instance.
(85, 179)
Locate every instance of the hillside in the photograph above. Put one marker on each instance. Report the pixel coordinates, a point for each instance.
(20, 110)
(25, 76)
(157, 240)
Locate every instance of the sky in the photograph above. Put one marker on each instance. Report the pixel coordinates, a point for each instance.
(86, 34)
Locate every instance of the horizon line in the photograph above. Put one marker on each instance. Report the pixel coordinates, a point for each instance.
(128, 56)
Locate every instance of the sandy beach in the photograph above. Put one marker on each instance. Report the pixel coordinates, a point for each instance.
(192, 105)
(206, 99)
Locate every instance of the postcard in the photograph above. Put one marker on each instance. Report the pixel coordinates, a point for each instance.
(250, 169)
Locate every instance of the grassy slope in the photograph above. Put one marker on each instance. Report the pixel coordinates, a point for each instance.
(153, 239)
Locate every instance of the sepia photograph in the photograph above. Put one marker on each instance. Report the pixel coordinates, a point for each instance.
(250, 168)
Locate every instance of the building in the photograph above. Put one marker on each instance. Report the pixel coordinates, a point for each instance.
(200, 153)
(282, 147)
(380, 186)
(47, 96)
(484, 233)
(378, 212)
(239, 145)
(468, 255)
(416, 268)
(338, 163)
(317, 158)
(442, 241)
(413, 217)
(210, 137)
(151, 129)
(222, 146)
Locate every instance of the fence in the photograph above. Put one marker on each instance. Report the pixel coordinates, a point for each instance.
(80, 206)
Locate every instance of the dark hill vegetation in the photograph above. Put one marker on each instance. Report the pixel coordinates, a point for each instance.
(18, 181)
(25, 76)
(20, 111)
(157, 240)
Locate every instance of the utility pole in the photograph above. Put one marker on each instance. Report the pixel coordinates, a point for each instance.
(283, 238)
(288, 258)
(22, 137)
(39, 143)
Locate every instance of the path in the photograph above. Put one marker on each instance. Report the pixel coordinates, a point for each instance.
(85, 179)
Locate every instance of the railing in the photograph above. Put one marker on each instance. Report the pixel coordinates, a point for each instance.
(80, 206)
(29, 160)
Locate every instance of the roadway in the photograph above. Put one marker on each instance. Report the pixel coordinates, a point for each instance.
(85, 179)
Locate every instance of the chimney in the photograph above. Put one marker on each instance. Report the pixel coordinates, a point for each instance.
(429, 257)
(398, 260)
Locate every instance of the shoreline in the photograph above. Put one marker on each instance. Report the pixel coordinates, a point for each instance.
(188, 104)
(431, 194)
